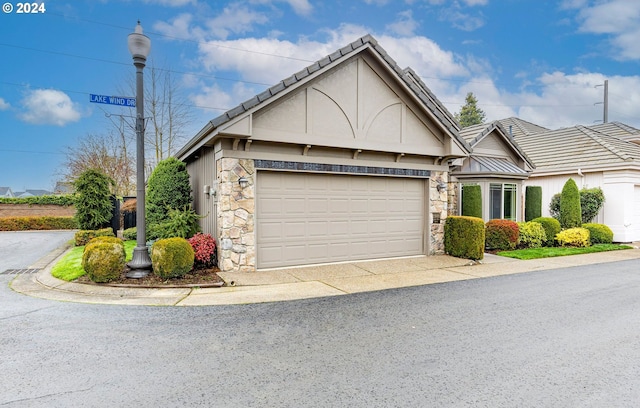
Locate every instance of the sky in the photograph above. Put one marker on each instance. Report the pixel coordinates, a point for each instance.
(541, 61)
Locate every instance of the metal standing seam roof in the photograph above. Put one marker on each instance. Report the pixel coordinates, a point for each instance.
(496, 165)
(407, 75)
(577, 147)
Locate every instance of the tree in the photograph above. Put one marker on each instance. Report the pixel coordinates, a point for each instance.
(532, 202)
(105, 153)
(570, 211)
(470, 114)
(168, 189)
(591, 202)
(93, 200)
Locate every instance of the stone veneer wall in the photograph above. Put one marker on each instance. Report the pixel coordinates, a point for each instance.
(236, 208)
(438, 204)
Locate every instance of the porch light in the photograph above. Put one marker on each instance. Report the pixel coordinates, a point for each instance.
(243, 182)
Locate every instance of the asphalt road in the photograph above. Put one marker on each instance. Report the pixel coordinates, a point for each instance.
(21, 249)
(561, 338)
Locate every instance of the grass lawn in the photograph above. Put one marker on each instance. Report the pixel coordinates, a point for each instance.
(535, 253)
(70, 266)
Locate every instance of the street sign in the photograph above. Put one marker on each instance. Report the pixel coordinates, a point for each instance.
(113, 100)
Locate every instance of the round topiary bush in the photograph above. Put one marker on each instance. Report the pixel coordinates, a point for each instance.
(501, 234)
(551, 228)
(102, 260)
(172, 257)
(599, 233)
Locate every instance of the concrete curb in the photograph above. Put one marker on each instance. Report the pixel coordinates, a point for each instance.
(305, 282)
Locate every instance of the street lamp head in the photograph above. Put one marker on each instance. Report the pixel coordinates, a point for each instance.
(139, 44)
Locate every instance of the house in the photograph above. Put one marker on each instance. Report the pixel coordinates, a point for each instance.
(6, 192)
(345, 160)
(605, 155)
(498, 165)
(32, 193)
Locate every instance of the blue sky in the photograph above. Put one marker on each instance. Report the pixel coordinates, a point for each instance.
(539, 60)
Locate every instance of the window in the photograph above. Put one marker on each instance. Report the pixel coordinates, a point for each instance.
(502, 201)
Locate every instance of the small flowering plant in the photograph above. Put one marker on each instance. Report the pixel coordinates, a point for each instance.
(204, 248)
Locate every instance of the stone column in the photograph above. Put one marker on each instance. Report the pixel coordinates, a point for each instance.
(437, 211)
(237, 252)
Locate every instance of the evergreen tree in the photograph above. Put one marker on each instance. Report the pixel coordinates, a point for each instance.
(168, 189)
(570, 210)
(93, 202)
(470, 114)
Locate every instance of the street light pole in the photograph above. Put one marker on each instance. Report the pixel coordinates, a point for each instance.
(139, 47)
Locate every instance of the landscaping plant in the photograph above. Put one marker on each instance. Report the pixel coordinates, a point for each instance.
(501, 234)
(472, 200)
(532, 203)
(104, 259)
(531, 235)
(570, 210)
(599, 233)
(172, 257)
(574, 237)
(204, 249)
(464, 237)
(93, 200)
(168, 189)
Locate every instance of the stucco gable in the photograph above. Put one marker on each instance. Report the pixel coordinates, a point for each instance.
(317, 103)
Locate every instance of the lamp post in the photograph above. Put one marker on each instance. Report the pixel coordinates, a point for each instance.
(139, 47)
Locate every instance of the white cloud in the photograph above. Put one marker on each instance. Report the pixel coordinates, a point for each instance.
(49, 107)
(300, 7)
(461, 20)
(4, 105)
(235, 19)
(404, 25)
(171, 3)
(179, 27)
(617, 18)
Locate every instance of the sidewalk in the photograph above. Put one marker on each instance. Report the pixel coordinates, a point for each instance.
(304, 282)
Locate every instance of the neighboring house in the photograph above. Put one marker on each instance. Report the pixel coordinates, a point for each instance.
(32, 193)
(605, 155)
(498, 165)
(345, 160)
(6, 192)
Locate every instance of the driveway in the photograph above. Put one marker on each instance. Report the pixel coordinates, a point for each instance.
(23, 249)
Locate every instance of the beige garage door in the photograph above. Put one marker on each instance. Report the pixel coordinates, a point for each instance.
(304, 218)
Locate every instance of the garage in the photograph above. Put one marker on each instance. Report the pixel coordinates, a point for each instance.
(308, 218)
(635, 223)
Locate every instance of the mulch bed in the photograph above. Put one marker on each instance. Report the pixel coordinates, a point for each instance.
(197, 278)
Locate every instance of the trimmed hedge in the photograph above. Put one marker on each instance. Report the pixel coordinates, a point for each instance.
(574, 237)
(599, 233)
(104, 259)
(501, 234)
(532, 235)
(37, 223)
(472, 200)
(61, 200)
(532, 203)
(570, 209)
(172, 257)
(464, 237)
(83, 237)
(551, 228)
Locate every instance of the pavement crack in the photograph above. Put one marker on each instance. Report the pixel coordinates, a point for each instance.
(55, 394)
(26, 313)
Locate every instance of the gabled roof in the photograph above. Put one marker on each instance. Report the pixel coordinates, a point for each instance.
(444, 118)
(517, 127)
(618, 129)
(5, 192)
(579, 147)
(473, 135)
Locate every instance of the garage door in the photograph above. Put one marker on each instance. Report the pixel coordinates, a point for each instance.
(635, 223)
(305, 218)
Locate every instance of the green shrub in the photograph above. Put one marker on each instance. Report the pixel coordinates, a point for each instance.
(472, 200)
(532, 203)
(106, 238)
(61, 200)
(501, 234)
(180, 223)
(464, 237)
(573, 237)
(599, 233)
(551, 228)
(83, 237)
(37, 223)
(591, 201)
(103, 261)
(93, 200)
(168, 189)
(130, 234)
(172, 257)
(532, 235)
(570, 212)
